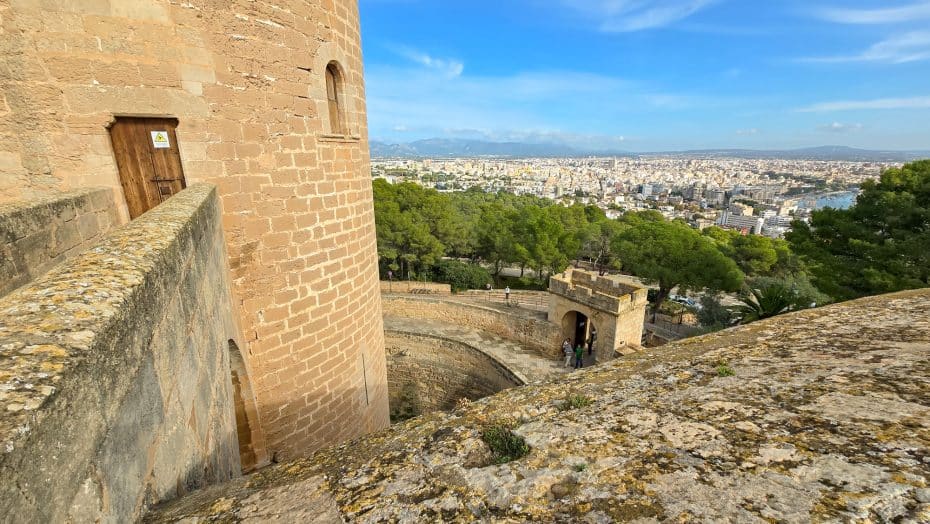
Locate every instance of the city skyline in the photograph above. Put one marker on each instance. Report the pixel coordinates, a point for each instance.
(650, 75)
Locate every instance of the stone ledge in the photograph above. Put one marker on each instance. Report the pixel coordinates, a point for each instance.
(527, 327)
(114, 372)
(47, 327)
(36, 235)
(826, 417)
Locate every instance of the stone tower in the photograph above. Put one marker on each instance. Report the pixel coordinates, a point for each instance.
(266, 101)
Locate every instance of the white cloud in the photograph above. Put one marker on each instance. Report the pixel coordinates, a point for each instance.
(837, 127)
(917, 102)
(621, 16)
(886, 15)
(531, 106)
(899, 49)
(747, 132)
(447, 66)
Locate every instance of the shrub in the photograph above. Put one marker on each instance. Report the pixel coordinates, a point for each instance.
(407, 405)
(461, 275)
(505, 444)
(713, 314)
(524, 283)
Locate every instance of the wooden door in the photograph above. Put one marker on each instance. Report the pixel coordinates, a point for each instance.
(148, 159)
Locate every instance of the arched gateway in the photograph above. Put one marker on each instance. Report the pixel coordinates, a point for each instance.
(610, 309)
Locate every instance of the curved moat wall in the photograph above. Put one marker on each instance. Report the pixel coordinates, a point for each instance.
(427, 373)
(537, 334)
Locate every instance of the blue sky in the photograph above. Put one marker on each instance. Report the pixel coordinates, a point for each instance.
(650, 75)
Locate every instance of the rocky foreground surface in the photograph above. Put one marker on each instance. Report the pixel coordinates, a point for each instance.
(821, 415)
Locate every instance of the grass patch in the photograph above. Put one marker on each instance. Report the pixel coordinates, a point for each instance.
(724, 369)
(575, 401)
(505, 444)
(580, 467)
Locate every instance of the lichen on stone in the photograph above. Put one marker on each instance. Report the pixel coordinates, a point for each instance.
(826, 418)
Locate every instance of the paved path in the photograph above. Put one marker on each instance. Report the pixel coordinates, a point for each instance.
(530, 364)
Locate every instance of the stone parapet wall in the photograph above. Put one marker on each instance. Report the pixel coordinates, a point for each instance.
(534, 333)
(413, 287)
(114, 372)
(38, 234)
(429, 373)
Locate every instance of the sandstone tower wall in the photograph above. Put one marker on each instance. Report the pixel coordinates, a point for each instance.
(246, 82)
(115, 388)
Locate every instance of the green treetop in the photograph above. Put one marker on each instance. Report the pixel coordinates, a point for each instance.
(879, 245)
(672, 254)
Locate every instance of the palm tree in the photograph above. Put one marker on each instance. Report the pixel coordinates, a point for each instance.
(765, 302)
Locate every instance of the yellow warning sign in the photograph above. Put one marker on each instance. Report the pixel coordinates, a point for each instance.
(160, 140)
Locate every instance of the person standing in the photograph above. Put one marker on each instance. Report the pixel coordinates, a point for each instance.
(507, 294)
(567, 351)
(579, 356)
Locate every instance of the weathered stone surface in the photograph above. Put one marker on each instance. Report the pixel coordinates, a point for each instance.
(98, 417)
(825, 419)
(40, 233)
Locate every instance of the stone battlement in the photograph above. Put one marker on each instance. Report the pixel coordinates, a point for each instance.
(604, 293)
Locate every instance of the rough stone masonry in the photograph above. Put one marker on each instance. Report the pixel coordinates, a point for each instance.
(816, 416)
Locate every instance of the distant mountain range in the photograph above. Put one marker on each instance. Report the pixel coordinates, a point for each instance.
(452, 147)
(811, 153)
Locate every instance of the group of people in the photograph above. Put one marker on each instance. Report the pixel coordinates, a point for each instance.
(577, 353)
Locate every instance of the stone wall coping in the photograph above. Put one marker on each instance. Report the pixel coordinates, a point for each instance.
(450, 299)
(520, 377)
(9, 208)
(17, 218)
(48, 326)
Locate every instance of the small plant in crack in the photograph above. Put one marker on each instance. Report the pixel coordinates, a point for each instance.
(575, 401)
(724, 369)
(504, 443)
